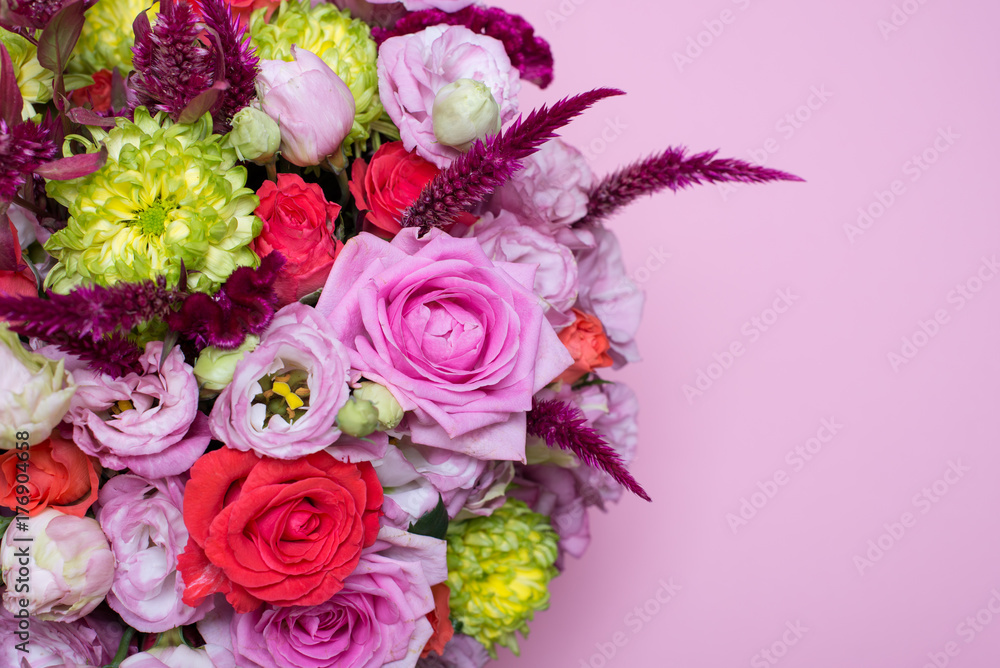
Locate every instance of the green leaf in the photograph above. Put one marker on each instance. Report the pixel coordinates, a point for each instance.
(59, 37)
(434, 523)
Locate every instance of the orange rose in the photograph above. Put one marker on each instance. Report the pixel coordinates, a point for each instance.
(587, 343)
(57, 474)
(439, 619)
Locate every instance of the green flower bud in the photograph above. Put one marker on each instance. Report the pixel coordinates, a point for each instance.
(255, 135)
(214, 367)
(390, 413)
(465, 111)
(358, 417)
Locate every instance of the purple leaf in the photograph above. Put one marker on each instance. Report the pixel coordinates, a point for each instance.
(87, 117)
(59, 37)
(202, 103)
(8, 244)
(11, 101)
(74, 166)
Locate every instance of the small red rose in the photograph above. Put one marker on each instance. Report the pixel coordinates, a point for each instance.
(387, 186)
(298, 223)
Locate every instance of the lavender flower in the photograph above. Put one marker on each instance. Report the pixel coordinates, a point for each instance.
(474, 176)
(531, 55)
(672, 169)
(562, 424)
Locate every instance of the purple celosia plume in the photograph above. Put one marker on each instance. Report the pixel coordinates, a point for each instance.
(23, 147)
(562, 424)
(530, 54)
(114, 354)
(28, 14)
(244, 305)
(674, 170)
(174, 66)
(93, 310)
(239, 59)
(474, 176)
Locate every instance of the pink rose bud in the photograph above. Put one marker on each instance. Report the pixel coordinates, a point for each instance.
(313, 106)
(68, 568)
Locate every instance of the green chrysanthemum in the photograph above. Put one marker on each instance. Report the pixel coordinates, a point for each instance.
(107, 38)
(33, 80)
(499, 569)
(169, 193)
(344, 43)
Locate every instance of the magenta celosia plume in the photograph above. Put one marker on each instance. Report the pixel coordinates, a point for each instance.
(672, 169)
(475, 175)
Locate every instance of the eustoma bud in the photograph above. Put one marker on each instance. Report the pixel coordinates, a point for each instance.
(256, 136)
(390, 413)
(465, 111)
(358, 417)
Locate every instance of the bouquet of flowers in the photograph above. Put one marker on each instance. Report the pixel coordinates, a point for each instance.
(302, 327)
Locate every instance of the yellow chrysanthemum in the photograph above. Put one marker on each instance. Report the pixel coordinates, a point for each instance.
(169, 193)
(33, 80)
(107, 38)
(499, 568)
(344, 43)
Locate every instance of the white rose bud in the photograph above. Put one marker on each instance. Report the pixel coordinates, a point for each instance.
(255, 136)
(465, 111)
(390, 413)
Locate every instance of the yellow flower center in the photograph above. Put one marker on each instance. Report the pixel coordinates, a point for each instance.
(152, 220)
(285, 394)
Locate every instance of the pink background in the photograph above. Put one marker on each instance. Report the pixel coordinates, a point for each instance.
(887, 96)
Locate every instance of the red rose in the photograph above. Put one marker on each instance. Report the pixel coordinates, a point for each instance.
(285, 532)
(97, 94)
(387, 186)
(298, 223)
(59, 475)
(588, 344)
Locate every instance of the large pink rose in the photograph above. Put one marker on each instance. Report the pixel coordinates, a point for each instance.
(459, 340)
(413, 68)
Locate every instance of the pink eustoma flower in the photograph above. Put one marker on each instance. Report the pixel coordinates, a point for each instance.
(148, 422)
